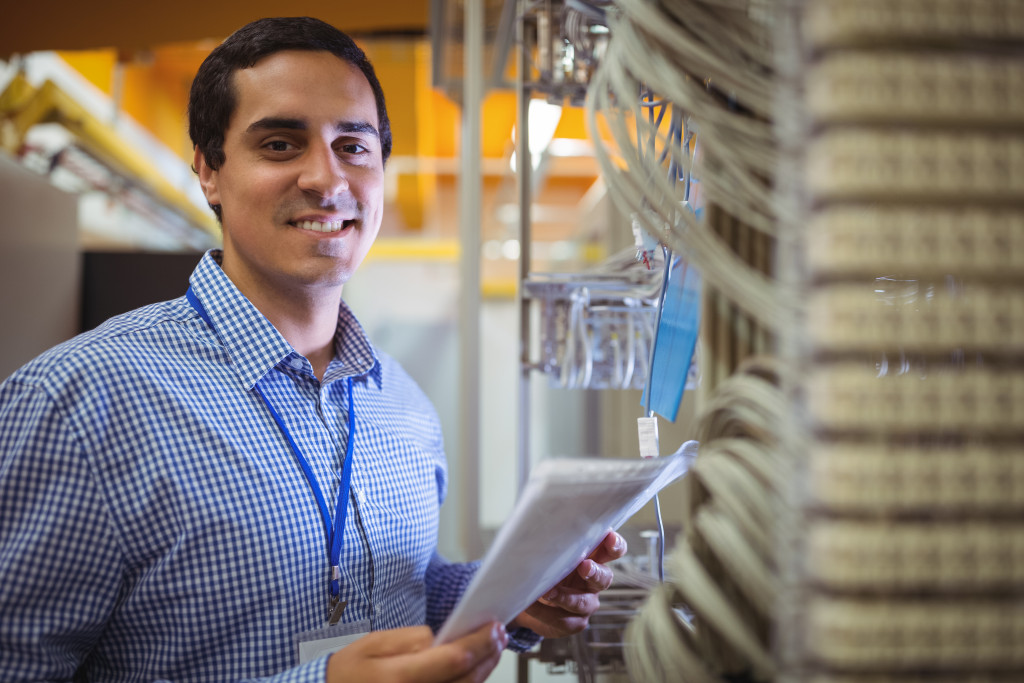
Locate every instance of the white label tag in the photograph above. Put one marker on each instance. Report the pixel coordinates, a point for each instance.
(323, 641)
(647, 430)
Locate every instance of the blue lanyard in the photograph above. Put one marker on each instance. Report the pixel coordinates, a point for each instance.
(333, 532)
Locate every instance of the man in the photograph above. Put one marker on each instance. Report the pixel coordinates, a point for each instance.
(200, 488)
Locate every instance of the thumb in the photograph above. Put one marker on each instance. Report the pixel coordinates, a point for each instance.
(399, 641)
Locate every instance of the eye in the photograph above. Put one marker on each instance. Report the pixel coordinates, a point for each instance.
(352, 148)
(278, 146)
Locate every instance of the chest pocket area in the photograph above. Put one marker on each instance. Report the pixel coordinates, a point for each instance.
(395, 482)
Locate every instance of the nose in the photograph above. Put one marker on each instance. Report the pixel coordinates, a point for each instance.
(322, 173)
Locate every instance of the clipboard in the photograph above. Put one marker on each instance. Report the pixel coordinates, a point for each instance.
(566, 509)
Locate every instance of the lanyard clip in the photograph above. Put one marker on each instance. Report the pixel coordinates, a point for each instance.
(336, 609)
(337, 605)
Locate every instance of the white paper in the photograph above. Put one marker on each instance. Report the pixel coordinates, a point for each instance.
(567, 507)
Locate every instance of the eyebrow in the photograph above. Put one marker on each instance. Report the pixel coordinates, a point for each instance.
(276, 123)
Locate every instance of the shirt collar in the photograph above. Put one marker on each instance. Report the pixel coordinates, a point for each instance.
(254, 344)
(354, 355)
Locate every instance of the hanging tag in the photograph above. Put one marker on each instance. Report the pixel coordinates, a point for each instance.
(677, 339)
(647, 431)
(312, 644)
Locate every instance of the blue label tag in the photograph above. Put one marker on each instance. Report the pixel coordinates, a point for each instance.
(677, 338)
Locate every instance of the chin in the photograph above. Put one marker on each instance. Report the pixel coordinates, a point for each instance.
(332, 278)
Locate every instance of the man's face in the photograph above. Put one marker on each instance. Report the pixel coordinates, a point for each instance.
(301, 186)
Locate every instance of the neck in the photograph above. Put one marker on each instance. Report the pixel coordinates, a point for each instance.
(307, 317)
(308, 327)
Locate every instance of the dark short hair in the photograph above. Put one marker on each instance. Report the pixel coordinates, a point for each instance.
(211, 101)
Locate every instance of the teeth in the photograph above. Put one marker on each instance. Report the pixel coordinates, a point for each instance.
(332, 226)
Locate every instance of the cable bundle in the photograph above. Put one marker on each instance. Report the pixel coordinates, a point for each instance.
(713, 617)
(866, 519)
(711, 60)
(710, 63)
(902, 531)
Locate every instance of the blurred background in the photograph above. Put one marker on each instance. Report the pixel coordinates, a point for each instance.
(831, 192)
(102, 213)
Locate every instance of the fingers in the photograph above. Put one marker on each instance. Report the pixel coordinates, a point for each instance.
(556, 622)
(571, 600)
(484, 668)
(566, 608)
(470, 658)
(406, 654)
(561, 611)
(591, 574)
(611, 548)
(596, 577)
(399, 641)
(590, 577)
(374, 654)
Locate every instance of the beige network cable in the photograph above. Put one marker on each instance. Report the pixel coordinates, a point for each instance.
(906, 411)
(856, 517)
(725, 93)
(713, 615)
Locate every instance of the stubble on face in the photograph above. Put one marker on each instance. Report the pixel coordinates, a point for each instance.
(301, 146)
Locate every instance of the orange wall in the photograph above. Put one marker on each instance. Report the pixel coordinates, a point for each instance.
(134, 25)
(425, 123)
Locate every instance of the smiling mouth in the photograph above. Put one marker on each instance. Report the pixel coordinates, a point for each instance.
(329, 226)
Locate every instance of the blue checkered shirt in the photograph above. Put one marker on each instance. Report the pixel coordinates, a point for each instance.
(155, 524)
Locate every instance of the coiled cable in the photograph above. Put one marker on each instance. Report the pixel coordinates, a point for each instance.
(711, 617)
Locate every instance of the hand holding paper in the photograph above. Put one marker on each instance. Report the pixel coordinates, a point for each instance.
(567, 607)
(561, 518)
(406, 654)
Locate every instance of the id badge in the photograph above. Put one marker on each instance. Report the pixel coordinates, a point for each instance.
(322, 641)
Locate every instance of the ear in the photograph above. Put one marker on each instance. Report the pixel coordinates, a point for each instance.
(208, 178)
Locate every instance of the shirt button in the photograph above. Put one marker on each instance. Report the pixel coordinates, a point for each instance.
(296, 363)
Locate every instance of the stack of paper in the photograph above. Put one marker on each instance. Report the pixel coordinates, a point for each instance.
(566, 508)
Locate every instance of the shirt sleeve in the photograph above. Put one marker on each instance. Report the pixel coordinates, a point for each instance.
(59, 555)
(446, 582)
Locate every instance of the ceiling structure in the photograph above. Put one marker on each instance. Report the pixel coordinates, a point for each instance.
(130, 25)
(145, 55)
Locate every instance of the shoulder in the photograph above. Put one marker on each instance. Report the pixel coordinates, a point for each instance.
(396, 387)
(396, 401)
(115, 347)
(393, 373)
